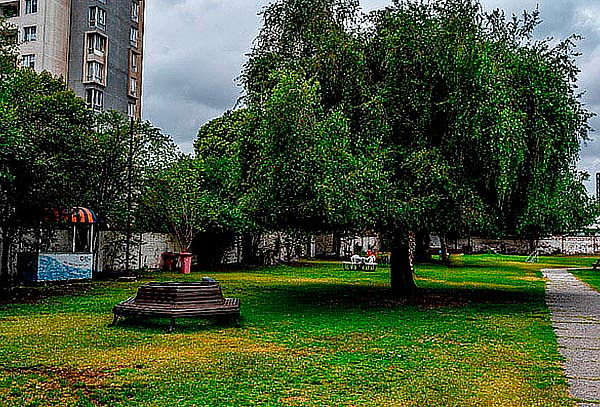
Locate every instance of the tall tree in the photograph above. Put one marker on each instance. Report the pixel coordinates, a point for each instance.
(501, 108)
(476, 126)
(125, 154)
(189, 200)
(8, 46)
(44, 156)
(306, 174)
(55, 153)
(225, 146)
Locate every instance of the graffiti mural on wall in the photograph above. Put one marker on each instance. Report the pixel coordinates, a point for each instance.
(64, 266)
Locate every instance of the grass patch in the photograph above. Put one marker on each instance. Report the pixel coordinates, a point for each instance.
(590, 277)
(477, 334)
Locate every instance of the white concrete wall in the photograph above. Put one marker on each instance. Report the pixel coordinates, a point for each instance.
(568, 245)
(349, 245)
(145, 251)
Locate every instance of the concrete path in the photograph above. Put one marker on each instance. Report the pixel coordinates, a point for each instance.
(575, 308)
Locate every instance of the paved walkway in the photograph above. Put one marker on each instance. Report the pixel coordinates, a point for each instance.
(575, 309)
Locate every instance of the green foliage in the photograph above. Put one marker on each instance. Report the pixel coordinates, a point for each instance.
(118, 144)
(8, 47)
(223, 136)
(44, 153)
(225, 146)
(46, 147)
(320, 38)
(461, 120)
(56, 154)
(306, 168)
(500, 108)
(190, 201)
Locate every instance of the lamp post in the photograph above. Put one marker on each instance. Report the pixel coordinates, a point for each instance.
(129, 193)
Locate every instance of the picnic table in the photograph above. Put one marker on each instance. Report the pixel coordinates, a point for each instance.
(359, 263)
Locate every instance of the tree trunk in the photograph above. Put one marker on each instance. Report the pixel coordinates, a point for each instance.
(422, 244)
(337, 246)
(5, 274)
(249, 249)
(402, 277)
(444, 257)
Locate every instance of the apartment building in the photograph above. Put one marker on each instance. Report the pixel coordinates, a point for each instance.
(95, 45)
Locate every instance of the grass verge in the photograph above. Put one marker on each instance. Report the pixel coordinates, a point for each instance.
(477, 334)
(590, 277)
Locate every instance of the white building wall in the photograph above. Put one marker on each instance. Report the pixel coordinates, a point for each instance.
(51, 47)
(145, 251)
(568, 245)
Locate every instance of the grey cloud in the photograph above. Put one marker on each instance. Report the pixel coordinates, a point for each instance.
(194, 51)
(181, 118)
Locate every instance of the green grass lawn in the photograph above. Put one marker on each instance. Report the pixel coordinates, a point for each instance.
(475, 335)
(591, 277)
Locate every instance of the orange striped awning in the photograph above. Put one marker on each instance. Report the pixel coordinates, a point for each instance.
(82, 215)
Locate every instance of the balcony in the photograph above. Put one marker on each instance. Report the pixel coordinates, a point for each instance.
(10, 9)
(12, 36)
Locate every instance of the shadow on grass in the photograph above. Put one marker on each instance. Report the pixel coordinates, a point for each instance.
(182, 326)
(33, 294)
(343, 297)
(283, 302)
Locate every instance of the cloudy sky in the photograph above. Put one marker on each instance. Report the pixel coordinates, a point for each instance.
(195, 50)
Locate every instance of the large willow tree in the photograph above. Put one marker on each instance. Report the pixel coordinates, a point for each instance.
(424, 116)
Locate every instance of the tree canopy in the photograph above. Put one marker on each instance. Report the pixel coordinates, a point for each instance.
(44, 153)
(118, 145)
(55, 153)
(423, 116)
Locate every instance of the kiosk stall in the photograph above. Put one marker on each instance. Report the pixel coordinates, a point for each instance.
(62, 266)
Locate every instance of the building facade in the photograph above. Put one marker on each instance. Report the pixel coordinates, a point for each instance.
(95, 45)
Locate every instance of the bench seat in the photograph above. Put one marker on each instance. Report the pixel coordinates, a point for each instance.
(178, 300)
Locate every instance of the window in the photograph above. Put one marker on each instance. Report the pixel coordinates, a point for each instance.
(133, 87)
(12, 36)
(96, 44)
(95, 99)
(30, 33)
(82, 238)
(133, 36)
(134, 62)
(28, 61)
(9, 10)
(31, 6)
(135, 11)
(131, 109)
(97, 17)
(95, 71)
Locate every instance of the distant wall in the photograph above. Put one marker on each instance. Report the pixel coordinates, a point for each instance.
(273, 248)
(568, 245)
(147, 248)
(145, 251)
(349, 245)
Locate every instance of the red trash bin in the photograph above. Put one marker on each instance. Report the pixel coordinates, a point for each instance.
(185, 259)
(169, 261)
